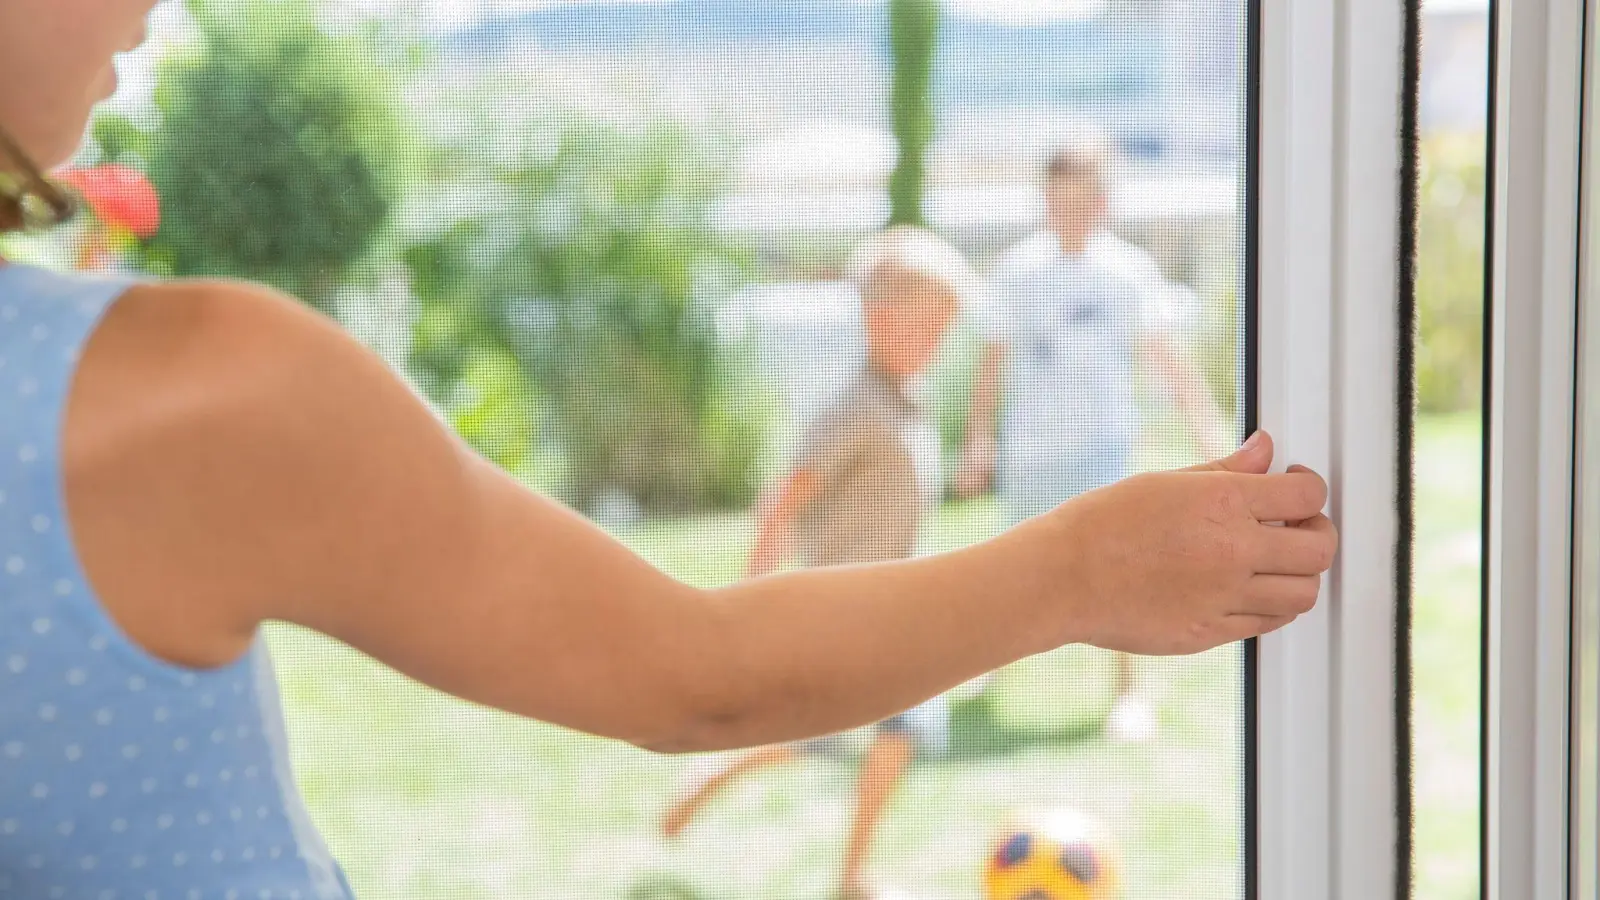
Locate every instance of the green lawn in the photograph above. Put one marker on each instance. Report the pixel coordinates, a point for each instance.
(427, 798)
(1445, 645)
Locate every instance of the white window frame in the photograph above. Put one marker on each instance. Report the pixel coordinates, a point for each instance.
(1529, 565)
(1330, 162)
(1328, 280)
(1327, 328)
(1585, 710)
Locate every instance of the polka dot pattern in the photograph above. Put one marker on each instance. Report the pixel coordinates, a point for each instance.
(124, 778)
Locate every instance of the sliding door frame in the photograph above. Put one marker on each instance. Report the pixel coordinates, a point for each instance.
(1330, 167)
(1584, 840)
(1533, 219)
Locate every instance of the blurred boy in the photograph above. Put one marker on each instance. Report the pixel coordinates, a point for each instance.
(865, 472)
(1077, 312)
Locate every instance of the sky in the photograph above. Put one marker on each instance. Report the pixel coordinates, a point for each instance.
(447, 15)
(443, 16)
(450, 15)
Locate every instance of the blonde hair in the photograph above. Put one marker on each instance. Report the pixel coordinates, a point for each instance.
(1084, 161)
(27, 198)
(885, 260)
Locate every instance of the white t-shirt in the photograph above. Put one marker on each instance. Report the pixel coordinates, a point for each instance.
(1072, 327)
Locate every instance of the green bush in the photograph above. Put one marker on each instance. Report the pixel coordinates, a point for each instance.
(276, 151)
(587, 268)
(1450, 268)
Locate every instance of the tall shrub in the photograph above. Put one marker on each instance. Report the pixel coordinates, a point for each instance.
(580, 287)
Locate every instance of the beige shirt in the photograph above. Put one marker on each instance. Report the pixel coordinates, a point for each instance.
(863, 450)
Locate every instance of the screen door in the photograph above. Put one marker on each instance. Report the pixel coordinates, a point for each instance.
(633, 253)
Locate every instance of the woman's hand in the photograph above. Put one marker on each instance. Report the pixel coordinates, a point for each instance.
(1180, 562)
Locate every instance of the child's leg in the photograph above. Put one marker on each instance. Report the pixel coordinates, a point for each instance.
(1131, 718)
(682, 812)
(881, 771)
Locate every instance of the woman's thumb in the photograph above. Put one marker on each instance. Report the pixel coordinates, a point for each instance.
(1254, 458)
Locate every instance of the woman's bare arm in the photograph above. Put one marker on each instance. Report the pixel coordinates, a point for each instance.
(234, 458)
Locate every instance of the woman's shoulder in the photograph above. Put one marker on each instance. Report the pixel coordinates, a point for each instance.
(220, 307)
(240, 426)
(207, 355)
(212, 332)
(170, 423)
(137, 330)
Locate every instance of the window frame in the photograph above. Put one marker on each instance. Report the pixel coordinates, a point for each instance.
(1537, 73)
(1331, 82)
(1584, 845)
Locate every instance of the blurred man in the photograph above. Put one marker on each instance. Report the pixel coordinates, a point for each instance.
(1074, 312)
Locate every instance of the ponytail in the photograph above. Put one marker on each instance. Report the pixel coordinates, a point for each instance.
(28, 200)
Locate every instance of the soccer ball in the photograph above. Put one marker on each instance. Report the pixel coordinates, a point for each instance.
(1054, 856)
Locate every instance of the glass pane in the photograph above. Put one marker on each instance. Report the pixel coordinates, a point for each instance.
(632, 253)
(1448, 612)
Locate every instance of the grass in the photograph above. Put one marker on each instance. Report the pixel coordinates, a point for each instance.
(427, 798)
(1445, 647)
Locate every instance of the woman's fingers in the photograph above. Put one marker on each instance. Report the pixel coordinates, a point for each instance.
(1244, 627)
(1279, 595)
(1294, 496)
(1299, 548)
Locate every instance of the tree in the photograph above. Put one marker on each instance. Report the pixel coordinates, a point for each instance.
(914, 40)
(274, 151)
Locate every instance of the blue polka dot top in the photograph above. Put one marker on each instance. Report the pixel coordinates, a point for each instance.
(122, 777)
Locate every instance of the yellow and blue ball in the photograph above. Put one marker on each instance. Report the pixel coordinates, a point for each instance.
(1060, 855)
